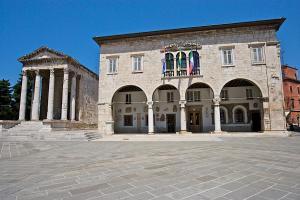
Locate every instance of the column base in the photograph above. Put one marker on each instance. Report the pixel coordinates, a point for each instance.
(150, 133)
(217, 132)
(184, 132)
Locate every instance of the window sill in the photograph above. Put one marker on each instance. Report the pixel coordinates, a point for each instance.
(137, 72)
(261, 63)
(111, 73)
(225, 66)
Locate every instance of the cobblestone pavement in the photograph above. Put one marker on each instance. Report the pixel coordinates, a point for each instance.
(232, 168)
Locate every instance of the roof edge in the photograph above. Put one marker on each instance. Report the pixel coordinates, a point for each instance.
(277, 22)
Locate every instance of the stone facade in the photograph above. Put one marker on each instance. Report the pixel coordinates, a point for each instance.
(64, 90)
(265, 77)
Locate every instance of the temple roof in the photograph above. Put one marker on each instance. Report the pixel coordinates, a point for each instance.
(46, 54)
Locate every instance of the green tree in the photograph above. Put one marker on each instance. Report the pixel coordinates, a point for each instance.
(6, 112)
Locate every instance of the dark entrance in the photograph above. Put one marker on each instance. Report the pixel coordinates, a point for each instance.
(195, 122)
(256, 121)
(171, 123)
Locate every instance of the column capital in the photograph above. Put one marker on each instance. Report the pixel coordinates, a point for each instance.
(37, 71)
(66, 70)
(217, 101)
(150, 104)
(52, 71)
(24, 72)
(182, 103)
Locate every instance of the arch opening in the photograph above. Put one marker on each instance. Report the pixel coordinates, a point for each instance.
(243, 100)
(199, 107)
(166, 109)
(129, 110)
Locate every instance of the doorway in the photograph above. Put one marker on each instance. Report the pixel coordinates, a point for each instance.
(256, 121)
(194, 121)
(171, 123)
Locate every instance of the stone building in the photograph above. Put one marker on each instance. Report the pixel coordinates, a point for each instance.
(291, 90)
(64, 91)
(210, 78)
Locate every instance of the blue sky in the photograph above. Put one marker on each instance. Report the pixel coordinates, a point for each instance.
(69, 25)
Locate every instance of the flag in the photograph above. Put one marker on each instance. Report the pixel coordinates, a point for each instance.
(191, 63)
(164, 67)
(179, 61)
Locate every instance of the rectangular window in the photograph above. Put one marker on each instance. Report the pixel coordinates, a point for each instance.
(190, 96)
(128, 120)
(137, 63)
(257, 55)
(249, 94)
(298, 90)
(170, 97)
(197, 96)
(291, 89)
(224, 95)
(227, 56)
(128, 98)
(112, 65)
(292, 104)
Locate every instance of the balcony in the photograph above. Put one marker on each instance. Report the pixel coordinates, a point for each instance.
(181, 73)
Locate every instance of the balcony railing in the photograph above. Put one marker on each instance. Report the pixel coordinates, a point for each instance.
(181, 73)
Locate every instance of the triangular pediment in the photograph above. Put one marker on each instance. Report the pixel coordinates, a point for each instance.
(42, 53)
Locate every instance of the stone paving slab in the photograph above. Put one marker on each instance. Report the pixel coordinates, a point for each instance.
(229, 168)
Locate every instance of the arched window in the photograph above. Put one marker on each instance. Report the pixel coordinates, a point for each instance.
(239, 115)
(181, 61)
(169, 61)
(194, 63)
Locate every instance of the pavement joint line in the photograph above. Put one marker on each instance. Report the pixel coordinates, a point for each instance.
(259, 192)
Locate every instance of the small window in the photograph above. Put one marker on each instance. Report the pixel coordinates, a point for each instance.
(291, 89)
(170, 97)
(190, 96)
(224, 95)
(128, 98)
(249, 94)
(128, 120)
(292, 104)
(295, 76)
(227, 57)
(197, 96)
(137, 62)
(257, 55)
(239, 115)
(112, 65)
(298, 90)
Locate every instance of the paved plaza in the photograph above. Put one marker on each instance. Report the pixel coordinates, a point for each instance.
(228, 168)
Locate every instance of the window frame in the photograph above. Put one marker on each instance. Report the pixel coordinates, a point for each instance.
(110, 59)
(227, 49)
(128, 99)
(257, 62)
(170, 97)
(133, 62)
(248, 92)
(226, 98)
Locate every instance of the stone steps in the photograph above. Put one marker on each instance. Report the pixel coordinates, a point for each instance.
(30, 126)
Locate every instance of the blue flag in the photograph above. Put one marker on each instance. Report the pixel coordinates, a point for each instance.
(164, 67)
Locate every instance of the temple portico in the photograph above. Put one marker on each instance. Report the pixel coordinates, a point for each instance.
(62, 88)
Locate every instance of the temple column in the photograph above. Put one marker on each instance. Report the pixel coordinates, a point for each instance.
(64, 105)
(36, 98)
(51, 95)
(150, 118)
(217, 118)
(182, 117)
(22, 111)
(73, 97)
